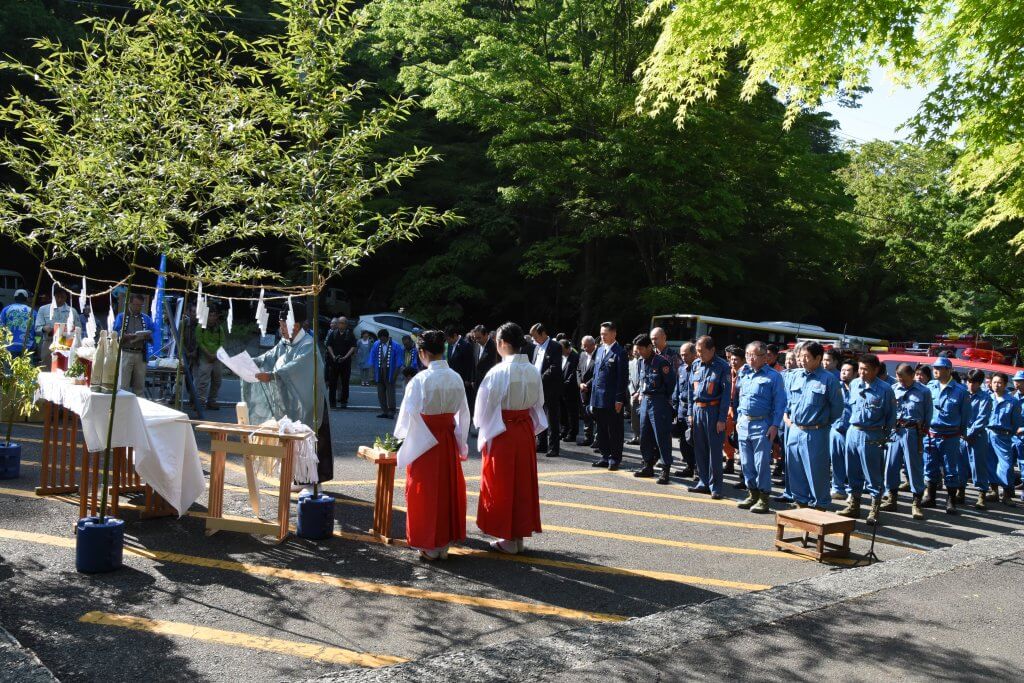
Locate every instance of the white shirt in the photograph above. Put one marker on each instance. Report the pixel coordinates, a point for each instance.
(538, 354)
(512, 384)
(565, 361)
(435, 391)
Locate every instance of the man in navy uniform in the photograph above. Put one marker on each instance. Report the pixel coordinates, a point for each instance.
(657, 380)
(708, 392)
(608, 396)
(681, 404)
(570, 392)
(585, 378)
(951, 416)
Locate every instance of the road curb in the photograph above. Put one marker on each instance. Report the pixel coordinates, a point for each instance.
(18, 663)
(523, 660)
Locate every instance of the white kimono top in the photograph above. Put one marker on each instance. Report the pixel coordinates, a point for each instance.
(512, 384)
(434, 391)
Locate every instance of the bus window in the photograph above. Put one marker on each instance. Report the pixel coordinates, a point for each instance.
(677, 330)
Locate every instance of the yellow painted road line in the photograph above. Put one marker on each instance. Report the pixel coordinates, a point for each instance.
(330, 580)
(644, 494)
(474, 477)
(323, 653)
(32, 494)
(19, 439)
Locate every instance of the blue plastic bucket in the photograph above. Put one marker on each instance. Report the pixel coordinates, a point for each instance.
(10, 461)
(99, 547)
(315, 517)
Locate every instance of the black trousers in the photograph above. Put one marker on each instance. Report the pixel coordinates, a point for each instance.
(552, 408)
(686, 447)
(588, 419)
(610, 433)
(570, 416)
(339, 373)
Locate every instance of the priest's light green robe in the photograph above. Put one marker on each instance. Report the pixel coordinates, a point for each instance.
(290, 393)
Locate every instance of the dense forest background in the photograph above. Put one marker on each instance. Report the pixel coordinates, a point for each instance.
(577, 209)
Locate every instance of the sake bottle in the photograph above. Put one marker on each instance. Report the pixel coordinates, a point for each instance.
(110, 362)
(96, 378)
(73, 351)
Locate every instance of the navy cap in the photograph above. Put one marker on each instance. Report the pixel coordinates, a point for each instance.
(1019, 377)
(942, 362)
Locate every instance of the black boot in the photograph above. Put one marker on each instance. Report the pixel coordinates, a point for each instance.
(730, 467)
(646, 472)
(961, 495)
(663, 479)
(950, 500)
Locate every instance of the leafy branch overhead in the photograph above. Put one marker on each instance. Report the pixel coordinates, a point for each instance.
(172, 135)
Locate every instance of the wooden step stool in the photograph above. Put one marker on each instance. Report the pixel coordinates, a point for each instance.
(816, 522)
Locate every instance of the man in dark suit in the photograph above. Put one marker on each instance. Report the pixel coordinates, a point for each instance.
(460, 356)
(547, 358)
(570, 416)
(485, 355)
(608, 397)
(585, 379)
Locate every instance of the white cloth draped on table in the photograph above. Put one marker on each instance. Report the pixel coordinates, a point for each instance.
(434, 391)
(165, 451)
(512, 384)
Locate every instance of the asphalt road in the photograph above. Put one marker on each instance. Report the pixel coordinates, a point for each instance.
(232, 607)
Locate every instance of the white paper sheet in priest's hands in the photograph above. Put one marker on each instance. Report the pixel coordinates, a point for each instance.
(241, 364)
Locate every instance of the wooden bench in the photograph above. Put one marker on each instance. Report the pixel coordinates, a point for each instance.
(385, 495)
(816, 522)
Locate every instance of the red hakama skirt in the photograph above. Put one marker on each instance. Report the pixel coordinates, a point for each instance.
(509, 501)
(435, 490)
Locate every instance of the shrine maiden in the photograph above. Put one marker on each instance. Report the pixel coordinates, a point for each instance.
(286, 388)
(509, 412)
(433, 422)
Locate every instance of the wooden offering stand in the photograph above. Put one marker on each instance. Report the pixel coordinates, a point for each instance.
(282, 447)
(386, 462)
(819, 523)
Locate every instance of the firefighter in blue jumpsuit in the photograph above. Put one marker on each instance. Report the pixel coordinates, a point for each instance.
(837, 434)
(913, 415)
(950, 419)
(975, 448)
(814, 404)
(709, 390)
(760, 404)
(872, 418)
(1006, 423)
(657, 381)
(1018, 441)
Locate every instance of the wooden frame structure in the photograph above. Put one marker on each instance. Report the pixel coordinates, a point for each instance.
(61, 471)
(816, 522)
(235, 438)
(387, 462)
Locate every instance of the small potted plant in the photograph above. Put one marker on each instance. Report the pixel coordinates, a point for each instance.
(77, 373)
(387, 445)
(19, 381)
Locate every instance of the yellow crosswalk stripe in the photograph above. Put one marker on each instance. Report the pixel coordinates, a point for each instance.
(642, 494)
(331, 580)
(322, 653)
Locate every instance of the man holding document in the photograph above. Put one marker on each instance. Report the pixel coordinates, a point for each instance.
(278, 384)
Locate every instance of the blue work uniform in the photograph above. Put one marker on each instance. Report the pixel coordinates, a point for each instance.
(17, 318)
(837, 445)
(609, 388)
(657, 381)
(1004, 423)
(872, 418)
(1018, 441)
(975, 449)
(913, 415)
(681, 404)
(760, 404)
(709, 389)
(950, 419)
(815, 402)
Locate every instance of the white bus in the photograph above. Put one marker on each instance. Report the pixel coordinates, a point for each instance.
(683, 327)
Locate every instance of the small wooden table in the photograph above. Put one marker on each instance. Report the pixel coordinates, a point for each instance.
(816, 522)
(221, 444)
(386, 462)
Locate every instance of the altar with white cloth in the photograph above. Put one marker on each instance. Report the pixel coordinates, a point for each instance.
(155, 446)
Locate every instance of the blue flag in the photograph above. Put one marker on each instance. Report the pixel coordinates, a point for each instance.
(157, 311)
